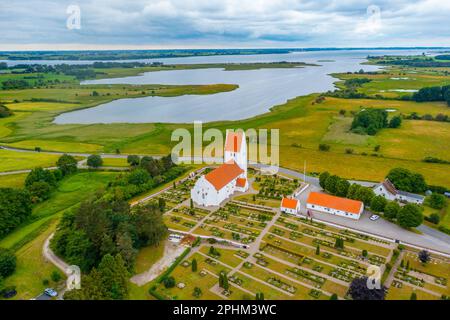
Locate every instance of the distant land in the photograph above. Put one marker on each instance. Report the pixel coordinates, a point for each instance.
(172, 53)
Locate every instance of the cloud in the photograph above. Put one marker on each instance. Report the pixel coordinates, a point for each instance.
(239, 23)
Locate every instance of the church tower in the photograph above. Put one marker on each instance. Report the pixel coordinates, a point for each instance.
(236, 149)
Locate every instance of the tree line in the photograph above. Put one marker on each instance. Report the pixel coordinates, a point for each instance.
(433, 94)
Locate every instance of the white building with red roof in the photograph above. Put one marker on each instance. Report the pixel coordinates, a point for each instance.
(216, 186)
(291, 206)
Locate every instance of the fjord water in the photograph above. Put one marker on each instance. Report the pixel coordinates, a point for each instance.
(258, 91)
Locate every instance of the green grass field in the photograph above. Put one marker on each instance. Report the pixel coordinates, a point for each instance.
(12, 160)
(13, 180)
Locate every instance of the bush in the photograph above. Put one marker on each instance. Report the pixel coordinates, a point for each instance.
(395, 122)
(437, 201)
(56, 276)
(133, 160)
(433, 218)
(324, 147)
(7, 263)
(169, 282)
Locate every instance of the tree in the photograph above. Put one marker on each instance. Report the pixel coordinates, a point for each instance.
(395, 122)
(161, 204)
(194, 265)
(133, 160)
(334, 296)
(67, 164)
(7, 263)
(424, 256)
(39, 191)
(405, 180)
(369, 121)
(413, 296)
(378, 204)
(197, 292)
(317, 250)
(169, 282)
(410, 216)
(331, 183)
(39, 174)
(342, 187)
(94, 161)
(391, 210)
(15, 207)
(323, 178)
(360, 291)
(437, 201)
(324, 147)
(365, 195)
(339, 244)
(364, 253)
(138, 177)
(225, 284)
(353, 190)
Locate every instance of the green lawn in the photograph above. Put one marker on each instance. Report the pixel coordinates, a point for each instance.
(12, 160)
(148, 256)
(13, 180)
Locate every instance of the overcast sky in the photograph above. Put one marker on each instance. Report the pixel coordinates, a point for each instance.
(42, 24)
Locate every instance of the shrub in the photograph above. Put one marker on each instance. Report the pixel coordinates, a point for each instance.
(169, 282)
(7, 262)
(324, 147)
(437, 201)
(433, 218)
(67, 164)
(56, 276)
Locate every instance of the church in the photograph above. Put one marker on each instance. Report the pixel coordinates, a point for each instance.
(218, 185)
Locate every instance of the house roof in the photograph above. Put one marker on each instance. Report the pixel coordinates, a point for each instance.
(289, 203)
(233, 141)
(240, 182)
(224, 174)
(411, 195)
(389, 186)
(328, 201)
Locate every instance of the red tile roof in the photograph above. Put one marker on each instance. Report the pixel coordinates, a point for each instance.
(223, 175)
(342, 204)
(233, 141)
(240, 182)
(289, 203)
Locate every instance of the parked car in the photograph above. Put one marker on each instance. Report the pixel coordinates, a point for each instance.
(9, 292)
(374, 217)
(50, 292)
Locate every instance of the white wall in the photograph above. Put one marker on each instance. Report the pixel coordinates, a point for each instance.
(380, 190)
(335, 212)
(204, 193)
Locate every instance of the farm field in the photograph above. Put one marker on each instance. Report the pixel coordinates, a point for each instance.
(13, 180)
(12, 161)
